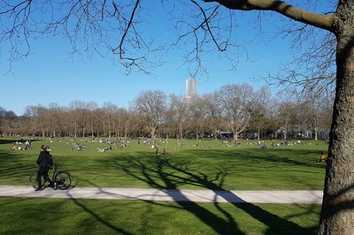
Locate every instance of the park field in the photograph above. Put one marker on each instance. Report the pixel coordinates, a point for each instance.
(208, 164)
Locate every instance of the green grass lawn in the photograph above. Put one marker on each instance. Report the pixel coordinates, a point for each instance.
(58, 216)
(211, 164)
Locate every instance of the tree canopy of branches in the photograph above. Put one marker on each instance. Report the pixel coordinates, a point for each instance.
(235, 102)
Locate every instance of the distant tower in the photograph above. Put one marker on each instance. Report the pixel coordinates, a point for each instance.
(191, 89)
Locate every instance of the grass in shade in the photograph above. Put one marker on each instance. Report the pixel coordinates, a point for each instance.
(58, 216)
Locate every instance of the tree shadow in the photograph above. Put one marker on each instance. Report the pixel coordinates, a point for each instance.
(7, 141)
(14, 167)
(98, 218)
(163, 173)
(272, 156)
(158, 177)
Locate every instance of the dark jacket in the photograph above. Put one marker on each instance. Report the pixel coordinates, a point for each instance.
(45, 160)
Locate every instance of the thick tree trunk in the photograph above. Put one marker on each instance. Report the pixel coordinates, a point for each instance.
(337, 215)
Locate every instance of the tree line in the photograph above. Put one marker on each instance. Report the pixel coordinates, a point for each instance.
(233, 111)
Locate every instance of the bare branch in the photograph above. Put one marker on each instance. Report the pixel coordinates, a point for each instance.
(298, 14)
(206, 22)
(129, 61)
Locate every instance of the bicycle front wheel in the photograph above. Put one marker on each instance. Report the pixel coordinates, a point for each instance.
(62, 180)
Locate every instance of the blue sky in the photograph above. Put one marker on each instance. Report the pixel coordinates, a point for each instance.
(51, 74)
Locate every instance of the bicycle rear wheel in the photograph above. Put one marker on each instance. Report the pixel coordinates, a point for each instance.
(62, 180)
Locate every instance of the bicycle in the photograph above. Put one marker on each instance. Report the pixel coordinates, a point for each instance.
(60, 179)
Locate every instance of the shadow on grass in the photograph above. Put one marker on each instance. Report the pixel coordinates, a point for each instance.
(7, 141)
(291, 157)
(15, 167)
(98, 218)
(162, 172)
(10, 141)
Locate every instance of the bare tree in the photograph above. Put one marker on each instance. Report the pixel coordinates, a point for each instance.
(335, 216)
(213, 113)
(152, 105)
(235, 102)
(178, 111)
(260, 107)
(197, 115)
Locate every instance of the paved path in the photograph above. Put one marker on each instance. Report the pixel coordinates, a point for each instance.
(149, 194)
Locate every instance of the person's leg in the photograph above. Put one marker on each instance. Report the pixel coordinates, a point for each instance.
(46, 177)
(39, 179)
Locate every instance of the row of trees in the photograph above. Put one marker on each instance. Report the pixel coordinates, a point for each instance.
(236, 110)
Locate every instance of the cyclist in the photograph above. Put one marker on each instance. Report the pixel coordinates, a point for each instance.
(44, 162)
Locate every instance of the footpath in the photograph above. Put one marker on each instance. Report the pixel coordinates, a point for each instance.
(184, 195)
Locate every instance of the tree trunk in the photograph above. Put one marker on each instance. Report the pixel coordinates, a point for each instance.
(109, 129)
(152, 133)
(125, 132)
(92, 135)
(337, 215)
(75, 130)
(180, 129)
(235, 132)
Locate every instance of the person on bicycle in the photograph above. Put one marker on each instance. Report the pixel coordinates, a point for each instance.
(44, 162)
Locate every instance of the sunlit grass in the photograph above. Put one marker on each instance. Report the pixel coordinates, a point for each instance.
(244, 166)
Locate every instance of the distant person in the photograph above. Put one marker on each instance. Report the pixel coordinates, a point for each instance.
(323, 157)
(27, 145)
(44, 162)
(13, 147)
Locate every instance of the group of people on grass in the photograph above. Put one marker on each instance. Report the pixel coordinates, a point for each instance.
(21, 145)
(45, 163)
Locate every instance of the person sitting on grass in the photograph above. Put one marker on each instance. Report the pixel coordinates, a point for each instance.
(13, 147)
(323, 157)
(44, 162)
